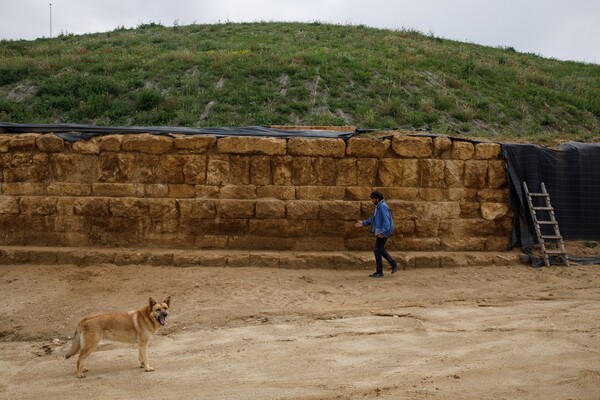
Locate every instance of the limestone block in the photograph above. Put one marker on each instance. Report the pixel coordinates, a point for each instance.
(156, 190)
(76, 168)
(171, 169)
(432, 173)
(493, 211)
(320, 193)
(194, 169)
(302, 171)
(128, 207)
(270, 209)
(493, 195)
(163, 211)
(367, 148)
(301, 209)
(259, 242)
(91, 206)
(345, 172)
(207, 191)
(428, 210)
(237, 192)
(411, 174)
(86, 147)
(147, 143)
(402, 209)
(305, 244)
(442, 146)
(486, 151)
(25, 167)
(462, 194)
(217, 171)
(285, 228)
(420, 244)
(462, 150)
(239, 170)
(408, 194)
(357, 193)
(497, 174)
(24, 188)
(427, 227)
(235, 209)
(404, 226)
(460, 243)
(325, 170)
(427, 261)
(475, 174)
(391, 172)
(36, 205)
(316, 147)
(340, 210)
(496, 243)
(69, 189)
(4, 143)
(252, 145)
(190, 209)
(469, 209)
(413, 146)
(281, 168)
(464, 227)
(109, 142)
(276, 192)
(115, 167)
(8, 205)
(453, 173)
(432, 194)
(182, 191)
(147, 169)
(23, 142)
(210, 242)
(118, 189)
(197, 144)
(366, 171)
(50, 143)
(260, 170)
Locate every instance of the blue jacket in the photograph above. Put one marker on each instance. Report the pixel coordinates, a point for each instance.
(381, 221)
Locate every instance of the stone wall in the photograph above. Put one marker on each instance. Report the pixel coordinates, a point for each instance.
(253, 193)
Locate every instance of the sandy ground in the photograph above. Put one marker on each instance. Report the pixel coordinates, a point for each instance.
(511, 332)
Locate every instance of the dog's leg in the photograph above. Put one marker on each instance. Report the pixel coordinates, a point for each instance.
(90, 342)
(142, 346)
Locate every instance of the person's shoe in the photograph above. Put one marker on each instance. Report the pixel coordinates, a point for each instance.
(376, 275)
(395, 268)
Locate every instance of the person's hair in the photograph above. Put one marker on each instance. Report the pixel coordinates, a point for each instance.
(377, 195)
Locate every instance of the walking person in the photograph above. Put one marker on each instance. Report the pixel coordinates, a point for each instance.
(382, 226)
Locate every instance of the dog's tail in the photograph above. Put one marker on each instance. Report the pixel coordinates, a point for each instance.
(75, 345)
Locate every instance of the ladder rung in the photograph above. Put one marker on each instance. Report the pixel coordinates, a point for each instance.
(543, 208)
(547, 223)
(555, 252)
(551, 237)
(539, 194)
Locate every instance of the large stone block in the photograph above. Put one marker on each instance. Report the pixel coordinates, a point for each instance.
(366, 171)
(118, 189)
(461, 243)
(427, 227)
(492, 211)
(91, 207)
(235, 208)
(497, 174)
(301, 209)
(367, 148)
(475, 174)
(76, 168)
(486, 151)
(442, 146)
(427, 210)
(90, 147)
(411, 173)
(325, 170)
(413, 146)
(194, 169)
(320, 193)
(217, 171)
(37, 205)
(462, 150)
(281, 168)
(23, 142)
(340, 210)
(453, 173)
(25, 167)
(252, 145)
(50, 143)
(109, 142)
(237, 192)
(116, 167)
(285, 228)
(146, 143)
(400, 193)
(260, 170)
(197, 144)
(69, 189)
(9, 205)
(316, 147)
(303, 172)
(276, 192)
(432, 194)
(270, 209)
(197, 209)
(359, 193)
(391, 172)
(182, 191)
(239, 170)
(24, 188)
(432, 173)
(128, 207)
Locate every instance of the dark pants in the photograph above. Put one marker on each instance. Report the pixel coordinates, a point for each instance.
(381, 252)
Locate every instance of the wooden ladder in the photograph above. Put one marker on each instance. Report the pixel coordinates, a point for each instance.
(544, 215)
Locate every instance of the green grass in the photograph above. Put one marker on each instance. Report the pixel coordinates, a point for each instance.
(297, 74)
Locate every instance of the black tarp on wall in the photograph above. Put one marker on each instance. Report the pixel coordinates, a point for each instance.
(572, 178)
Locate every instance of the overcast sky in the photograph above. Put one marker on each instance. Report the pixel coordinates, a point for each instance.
(562, 29)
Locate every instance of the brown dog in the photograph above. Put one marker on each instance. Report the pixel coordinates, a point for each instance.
(129, 327)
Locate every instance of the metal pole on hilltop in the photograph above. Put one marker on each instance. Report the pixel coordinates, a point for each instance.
(50, 20)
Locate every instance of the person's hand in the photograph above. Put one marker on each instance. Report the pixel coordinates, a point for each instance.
(358, 224)
(379, 235)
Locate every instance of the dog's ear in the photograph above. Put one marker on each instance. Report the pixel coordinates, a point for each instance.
(152, 303)
(168, 301)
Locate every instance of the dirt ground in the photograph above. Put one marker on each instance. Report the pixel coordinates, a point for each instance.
(499, 332)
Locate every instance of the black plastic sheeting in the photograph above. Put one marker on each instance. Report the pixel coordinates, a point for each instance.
(75, 132)
(571, 175)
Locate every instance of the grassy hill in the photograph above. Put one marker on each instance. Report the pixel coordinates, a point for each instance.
(297, 74)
